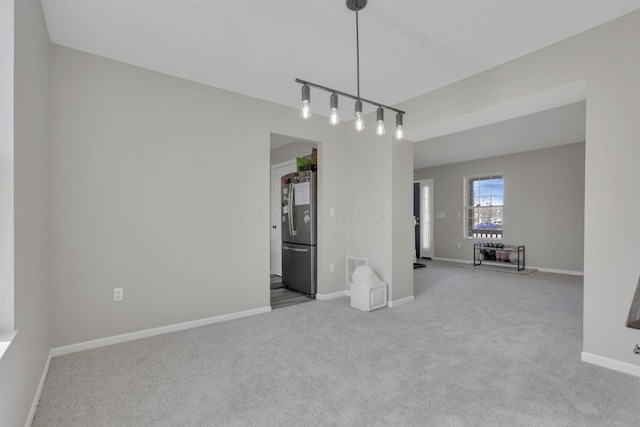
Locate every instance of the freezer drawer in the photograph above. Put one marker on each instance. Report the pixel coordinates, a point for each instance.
(299, 267)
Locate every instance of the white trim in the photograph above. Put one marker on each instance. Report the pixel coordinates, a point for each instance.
(616, 365)
(331, 295)
(6, 338)
(36, 397)
(546, 270)
(87, 345)
(554, 270)
(460, 261)
(401, 301)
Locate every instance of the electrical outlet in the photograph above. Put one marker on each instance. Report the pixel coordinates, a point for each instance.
(459, 245)
(636, 350)
(332, 267)
(118, 294)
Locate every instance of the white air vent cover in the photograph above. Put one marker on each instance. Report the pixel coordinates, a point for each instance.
(352, 264)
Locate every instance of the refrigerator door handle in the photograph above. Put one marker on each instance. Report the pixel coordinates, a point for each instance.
(287, 248)
(292, 227)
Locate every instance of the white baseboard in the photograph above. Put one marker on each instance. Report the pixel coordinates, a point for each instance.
(546, 270)
(331, 296)
(616, 365)
(554, 270)
(36, 397)
(401, 301)
(460, 261)
(6, 338)
(87, 345)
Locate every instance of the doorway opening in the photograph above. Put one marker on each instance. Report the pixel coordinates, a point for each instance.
(423, 220)
(285, 154)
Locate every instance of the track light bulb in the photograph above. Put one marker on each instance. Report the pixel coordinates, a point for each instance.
(305, 111)
(334, 118)
(380, 119)
(359, 120)
(399, 130)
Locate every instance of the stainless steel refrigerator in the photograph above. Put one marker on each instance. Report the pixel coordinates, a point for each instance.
(299, 230)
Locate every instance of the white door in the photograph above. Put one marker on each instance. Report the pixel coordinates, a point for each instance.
(277, 172)
(426, 218)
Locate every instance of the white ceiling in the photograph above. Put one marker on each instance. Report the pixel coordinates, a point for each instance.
(258, 48)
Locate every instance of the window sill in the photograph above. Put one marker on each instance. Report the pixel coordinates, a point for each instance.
(480, 239)
(6, 338)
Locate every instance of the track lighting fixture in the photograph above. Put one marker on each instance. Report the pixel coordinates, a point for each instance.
(354, 5)
(306, 99)
(334, 119)
(380, 119)
(359, 119)
(399, 130)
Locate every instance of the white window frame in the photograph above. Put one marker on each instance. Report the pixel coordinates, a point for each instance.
(467, 233)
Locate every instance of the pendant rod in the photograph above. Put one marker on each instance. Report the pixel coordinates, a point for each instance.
(358, 53)
(356, 98)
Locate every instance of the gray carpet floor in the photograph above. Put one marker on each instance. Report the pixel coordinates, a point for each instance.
(474, 349)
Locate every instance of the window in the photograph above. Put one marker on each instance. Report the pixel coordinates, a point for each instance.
(484, 206)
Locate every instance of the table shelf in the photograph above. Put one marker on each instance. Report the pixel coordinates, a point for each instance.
(520, 260)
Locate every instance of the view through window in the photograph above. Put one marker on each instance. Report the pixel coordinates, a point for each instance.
(484, 208)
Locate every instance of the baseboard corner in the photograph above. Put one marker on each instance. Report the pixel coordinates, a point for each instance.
(324, 297)
(36, 397)
(401, 301)
(616, 365)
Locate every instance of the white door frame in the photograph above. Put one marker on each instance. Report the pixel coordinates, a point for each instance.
(426, 252)
(277, 172)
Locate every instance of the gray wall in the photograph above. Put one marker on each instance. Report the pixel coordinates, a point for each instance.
(290, 151)
(402, 232)
(147, 196)
(6, 166)
(544, 205)
(22, 366)
(606, 57)
(378, 208)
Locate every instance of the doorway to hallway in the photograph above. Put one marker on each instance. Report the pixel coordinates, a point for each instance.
(286, 154)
